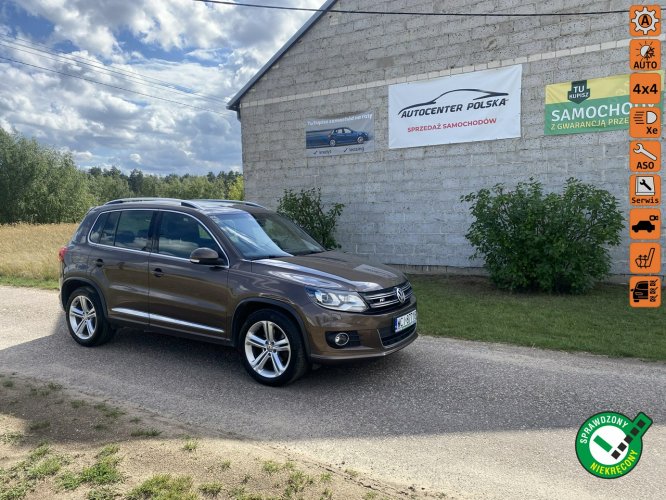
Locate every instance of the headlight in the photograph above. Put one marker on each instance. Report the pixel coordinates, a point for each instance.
(338, 301)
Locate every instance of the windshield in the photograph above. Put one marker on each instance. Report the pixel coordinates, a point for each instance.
(265, 235)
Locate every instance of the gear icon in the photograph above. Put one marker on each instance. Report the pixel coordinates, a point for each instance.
(645, 20)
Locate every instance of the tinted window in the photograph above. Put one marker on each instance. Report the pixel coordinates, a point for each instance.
(108, 233)
(96, 231)
(133, 228)
(181, 234)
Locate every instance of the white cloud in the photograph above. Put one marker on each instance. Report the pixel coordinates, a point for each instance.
(216, 50)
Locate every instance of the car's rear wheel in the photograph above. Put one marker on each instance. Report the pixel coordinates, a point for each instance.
(272, 348)
(86, 321)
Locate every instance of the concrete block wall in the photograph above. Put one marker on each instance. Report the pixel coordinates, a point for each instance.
(402, 206)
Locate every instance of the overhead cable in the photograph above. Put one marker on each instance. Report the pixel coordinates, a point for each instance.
(130, 76)
(112, 86)
(411, 13)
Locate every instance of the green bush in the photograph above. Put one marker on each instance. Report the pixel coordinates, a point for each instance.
(306, 210)
(552, 242)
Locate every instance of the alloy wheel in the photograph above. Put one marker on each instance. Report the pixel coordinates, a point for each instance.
(267, 349)
(83, 317)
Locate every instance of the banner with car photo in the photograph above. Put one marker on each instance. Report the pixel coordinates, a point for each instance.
(471, 107)
(340, 135)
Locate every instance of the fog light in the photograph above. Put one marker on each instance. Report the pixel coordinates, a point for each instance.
(341, 339)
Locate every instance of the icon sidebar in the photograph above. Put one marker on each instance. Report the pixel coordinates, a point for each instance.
(645, 116)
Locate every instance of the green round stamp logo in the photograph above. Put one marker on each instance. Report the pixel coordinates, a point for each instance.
(609, 444)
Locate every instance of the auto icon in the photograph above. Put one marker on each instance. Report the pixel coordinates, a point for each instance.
(640, 291)
(643, 225)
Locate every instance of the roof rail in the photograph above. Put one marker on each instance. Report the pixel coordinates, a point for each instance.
(184, 203)
(229, 202)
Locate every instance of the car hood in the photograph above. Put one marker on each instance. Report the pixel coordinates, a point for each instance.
(331, 270)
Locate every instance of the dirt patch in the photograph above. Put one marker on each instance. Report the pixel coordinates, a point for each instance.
(58, 444)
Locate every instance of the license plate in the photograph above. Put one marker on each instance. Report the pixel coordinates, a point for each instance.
(402, 322)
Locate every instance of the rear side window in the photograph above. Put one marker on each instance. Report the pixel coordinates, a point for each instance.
(108, 229)
(133, 229)
(96, 231)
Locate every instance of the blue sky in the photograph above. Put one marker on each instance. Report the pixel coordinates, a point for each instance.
(206, 51)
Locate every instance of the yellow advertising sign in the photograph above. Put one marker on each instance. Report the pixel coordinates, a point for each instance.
(595, 105)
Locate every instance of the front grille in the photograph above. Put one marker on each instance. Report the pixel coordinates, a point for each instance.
(387, 299)
(389, 337)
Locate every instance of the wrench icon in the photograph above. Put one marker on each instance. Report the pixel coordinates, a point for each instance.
(641, 150)
(645, 184)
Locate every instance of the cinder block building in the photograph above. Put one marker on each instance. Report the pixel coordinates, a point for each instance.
(402, 200)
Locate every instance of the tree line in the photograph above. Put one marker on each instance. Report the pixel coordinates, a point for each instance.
(39, 184)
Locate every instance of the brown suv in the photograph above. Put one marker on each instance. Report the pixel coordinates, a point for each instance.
(233, 273)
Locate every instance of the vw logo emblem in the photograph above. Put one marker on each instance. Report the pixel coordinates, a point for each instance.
(400, 294)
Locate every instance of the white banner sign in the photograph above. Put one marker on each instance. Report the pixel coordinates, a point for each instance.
(479, 106)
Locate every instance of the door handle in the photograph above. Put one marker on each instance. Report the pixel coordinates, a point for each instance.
(99, 262)
(157, 272)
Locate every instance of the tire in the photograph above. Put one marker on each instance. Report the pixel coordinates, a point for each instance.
(360, 139)
(86, 321)
(272, 348)
(331, 143)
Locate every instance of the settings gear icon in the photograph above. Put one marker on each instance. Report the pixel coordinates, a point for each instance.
(645, 20)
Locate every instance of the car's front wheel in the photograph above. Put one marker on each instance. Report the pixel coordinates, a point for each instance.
(272, 348)
(360, 139)
(331, 143)
(86, 321)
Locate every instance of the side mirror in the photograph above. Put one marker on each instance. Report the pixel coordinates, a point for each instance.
(205, 256)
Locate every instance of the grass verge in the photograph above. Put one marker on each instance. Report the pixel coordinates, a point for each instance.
(70, 458)
(600, 322)
(29, 253)
(51, 284)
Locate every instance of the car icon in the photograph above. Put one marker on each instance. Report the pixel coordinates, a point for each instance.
(640, 291)
(643, 225)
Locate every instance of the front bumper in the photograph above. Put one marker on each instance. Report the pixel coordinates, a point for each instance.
(373, 335)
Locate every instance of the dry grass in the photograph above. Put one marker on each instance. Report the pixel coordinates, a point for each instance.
(71, 459)
(30, 252)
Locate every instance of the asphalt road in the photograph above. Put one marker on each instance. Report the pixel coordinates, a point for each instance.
(469, 419)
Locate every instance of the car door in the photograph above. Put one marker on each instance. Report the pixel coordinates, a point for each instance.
(119, 262)
(347, 136)
(187, 297)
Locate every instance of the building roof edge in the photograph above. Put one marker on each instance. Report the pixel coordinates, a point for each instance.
(234, 103)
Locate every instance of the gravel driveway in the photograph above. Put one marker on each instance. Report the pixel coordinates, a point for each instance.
(469, 419)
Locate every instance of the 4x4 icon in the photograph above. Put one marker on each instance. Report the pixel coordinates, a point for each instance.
(233, 273)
